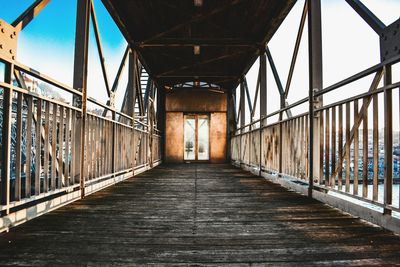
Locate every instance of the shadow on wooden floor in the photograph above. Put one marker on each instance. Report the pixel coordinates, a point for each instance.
(197, 214)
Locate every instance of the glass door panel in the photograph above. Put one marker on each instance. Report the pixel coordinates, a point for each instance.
(203, 138)
(189, 138)
(196, 137)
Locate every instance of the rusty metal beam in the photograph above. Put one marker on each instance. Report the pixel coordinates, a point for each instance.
(274, 71)
(203, 62)
(296, 48)
(29, 14)
(388, 141)
(373, 21)
(117, 78)
(256, 94)
(263, 87)
(99, 48)
(5, 178)
(194, 19)
(189, 42)
(315, 84)
(242, 104)
(278, 83)
(80, 83)
(120, 70)
(248, 95)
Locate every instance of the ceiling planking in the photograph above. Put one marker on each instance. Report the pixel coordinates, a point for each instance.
(230, 34)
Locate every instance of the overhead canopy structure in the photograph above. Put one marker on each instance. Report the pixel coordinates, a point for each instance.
(198, 41)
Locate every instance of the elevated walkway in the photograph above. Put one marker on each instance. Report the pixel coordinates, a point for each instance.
(200, 214)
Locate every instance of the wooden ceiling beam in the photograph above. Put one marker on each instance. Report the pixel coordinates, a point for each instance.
(190, 42)
(199, 76)
(200, 63)
(196, 18)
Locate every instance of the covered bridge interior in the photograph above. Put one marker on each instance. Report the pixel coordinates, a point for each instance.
(199, 170)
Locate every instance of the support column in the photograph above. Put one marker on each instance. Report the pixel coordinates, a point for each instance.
(230, 117)
(242, 105)
(388, 143)
(80, 83)
(130, 98)
(161, 118)
(6, 140)
(315, 85)
(263, 101)
(263, 87)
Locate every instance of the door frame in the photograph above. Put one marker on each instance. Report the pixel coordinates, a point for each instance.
(196, 115)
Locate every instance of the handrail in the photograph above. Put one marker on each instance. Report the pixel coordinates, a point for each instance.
(41, 76)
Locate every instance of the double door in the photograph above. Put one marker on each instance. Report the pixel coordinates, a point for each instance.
(196, 137)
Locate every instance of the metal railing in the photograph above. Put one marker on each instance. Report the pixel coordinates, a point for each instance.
(41, 162)
(354, 161)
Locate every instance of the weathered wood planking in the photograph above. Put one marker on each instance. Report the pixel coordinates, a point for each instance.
(197, 214)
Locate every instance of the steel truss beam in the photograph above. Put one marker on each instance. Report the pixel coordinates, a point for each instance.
(373, 21)
(80, 82)
(200, 63)
(296, 48)
(315, 85)
(100, 48)
(194, 19)
(263, 87)
(242, 104)
(29, 14)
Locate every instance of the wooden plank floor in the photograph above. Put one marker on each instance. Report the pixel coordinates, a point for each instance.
(197, 214)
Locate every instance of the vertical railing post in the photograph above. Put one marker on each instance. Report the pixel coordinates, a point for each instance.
(151, 127)
(242, 117)
(263, 98)
(80, 83)
(315, 84)
(114, 144)
(161, 120)
(6, 139)
(131, 98)
(229, 127)
(388, 141)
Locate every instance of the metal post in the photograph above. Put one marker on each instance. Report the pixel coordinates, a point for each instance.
(161, 119)
(242, 105)
(130, 96)
(388, 143)
(263, 86)
(242, 116)
(263, 98)
(80, 83)
(6, 139)
(230, 129)
(113, 137)
(315, 84)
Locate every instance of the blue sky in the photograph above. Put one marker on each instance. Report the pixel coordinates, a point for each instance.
(56, 21)
(51, 35)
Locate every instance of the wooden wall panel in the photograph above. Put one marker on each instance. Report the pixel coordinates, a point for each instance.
(195, 101)
(174, 137)
(218, 137)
